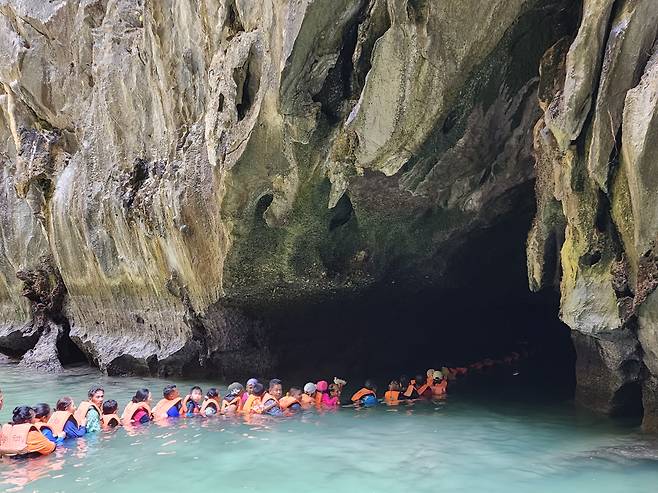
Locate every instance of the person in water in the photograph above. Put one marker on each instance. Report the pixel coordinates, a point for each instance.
(394, 393)
(250, 389)
(138, 410)
(322, 390)
(192, 402)
(232, 401)
(170, 406)
(439, 385)
(270, 400)
(21, 437)
(90, 411)
(291, 403)
(211, 404)
(254, 400)
(41, 415)
(110, 418)
(64, 420)
(367, 396)
(308, 397)
(332, 398)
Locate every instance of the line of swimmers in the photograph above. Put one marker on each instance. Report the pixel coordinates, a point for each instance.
(38, 431)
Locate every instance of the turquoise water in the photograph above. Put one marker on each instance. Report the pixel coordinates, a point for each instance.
(467, 443)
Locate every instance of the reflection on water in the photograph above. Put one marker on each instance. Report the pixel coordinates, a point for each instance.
(462, 444)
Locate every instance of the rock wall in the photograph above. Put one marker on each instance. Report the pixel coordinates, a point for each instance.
(597, 155)
(176, 173)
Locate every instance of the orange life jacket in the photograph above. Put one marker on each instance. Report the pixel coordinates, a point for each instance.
(410, 389)
(236, 401)
(214, 402)
(251, 402)
(59, 419)
(163, 406)
(287, 401)
(131, 409)
(308, 400)
(361, 394)
(111, 420)
(41, 425)
(84, 407)
(392, 396)
(13, 438)
(266, 397)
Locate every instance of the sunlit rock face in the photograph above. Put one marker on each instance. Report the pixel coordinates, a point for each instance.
(597, 191)
(174, 172)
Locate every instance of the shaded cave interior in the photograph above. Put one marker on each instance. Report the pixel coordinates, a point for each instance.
(481, 308)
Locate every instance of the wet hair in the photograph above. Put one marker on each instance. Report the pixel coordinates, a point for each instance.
(22, 414)
(41, 410)
(273, 382)
(294, 391)
(64, 403)
(168, 390)
(259, 389)
(140, 396)
(395, 385)
(93, 390)
(212, 392)
(404, 381)
(196, 387)
(370, 385)
(110, 406)
(420, 379)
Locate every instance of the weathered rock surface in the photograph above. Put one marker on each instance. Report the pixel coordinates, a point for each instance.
(597, 154)
(190, 166)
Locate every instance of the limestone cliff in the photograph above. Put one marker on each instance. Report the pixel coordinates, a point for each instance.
(176, 173)
(597, 152)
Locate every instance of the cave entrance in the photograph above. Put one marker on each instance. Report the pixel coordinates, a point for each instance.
(482, 309)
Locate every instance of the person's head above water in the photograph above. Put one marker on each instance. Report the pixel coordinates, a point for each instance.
(66, 404)
(322, 386)
(394, 385)
(96, 395)
(212, 393)
(295, 393)
(259, 390)
(22, 414)
(235, 389)
(310, 388)
(276, 389)
(196, 394)
(404, 381)
(420, 379)
(370, 385)
(170, 392)
(250, 385)
(142, 395)
(110, 406)
(42, 411)
(335, 390)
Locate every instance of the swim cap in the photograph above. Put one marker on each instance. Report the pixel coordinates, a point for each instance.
(430, 372)
(322, 386)
(310, 387)
(437, 375)
(235, 388)
(252, 381)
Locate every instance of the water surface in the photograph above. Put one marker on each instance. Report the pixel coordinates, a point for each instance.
(467, 443)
